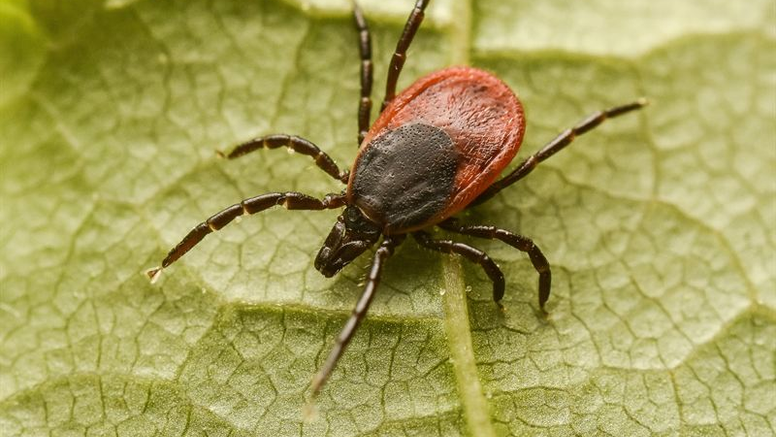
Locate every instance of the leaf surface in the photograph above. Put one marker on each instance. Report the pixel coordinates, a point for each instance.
(659, 226)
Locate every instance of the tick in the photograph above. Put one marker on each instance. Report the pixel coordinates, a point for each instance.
(436, 149)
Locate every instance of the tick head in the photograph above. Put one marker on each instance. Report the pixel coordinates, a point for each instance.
(351, 236)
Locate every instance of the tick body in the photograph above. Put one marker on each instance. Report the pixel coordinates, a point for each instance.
(436, 149)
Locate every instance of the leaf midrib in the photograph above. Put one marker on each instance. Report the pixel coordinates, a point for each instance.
(456, 313)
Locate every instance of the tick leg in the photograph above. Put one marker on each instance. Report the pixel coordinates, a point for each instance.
(294, 143)
(519, 242)
(373, 280)
(290, 200)
(400, 55)
(365, 52)
(554, 146)
(472, 254)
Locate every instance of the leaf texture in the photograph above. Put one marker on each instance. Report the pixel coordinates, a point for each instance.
(659, 226)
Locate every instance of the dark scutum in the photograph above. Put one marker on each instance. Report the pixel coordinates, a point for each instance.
(405, 176)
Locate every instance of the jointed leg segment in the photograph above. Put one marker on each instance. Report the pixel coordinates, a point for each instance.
(359, 312)
(400, 55)
(290, 200)
(472, 254)
(554, 146)
(519, 242)
(365, 52)
(295, 143)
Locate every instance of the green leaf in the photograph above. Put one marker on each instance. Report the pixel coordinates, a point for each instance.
(659, 226)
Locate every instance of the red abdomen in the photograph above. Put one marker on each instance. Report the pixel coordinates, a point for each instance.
(485, 124)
